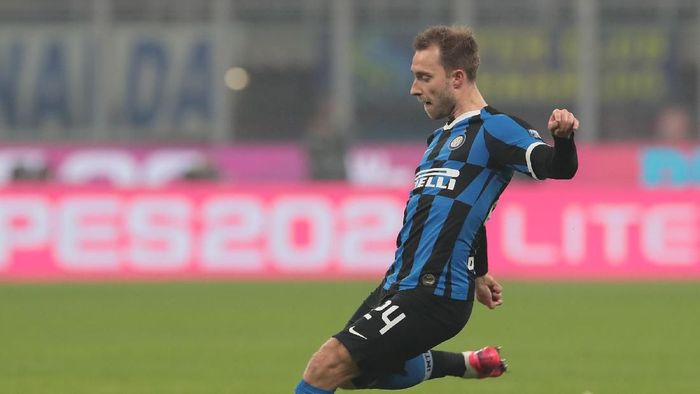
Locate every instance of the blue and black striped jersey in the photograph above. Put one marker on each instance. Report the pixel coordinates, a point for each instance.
(464, 170)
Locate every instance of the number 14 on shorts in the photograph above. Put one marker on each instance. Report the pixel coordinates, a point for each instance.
(388, 321)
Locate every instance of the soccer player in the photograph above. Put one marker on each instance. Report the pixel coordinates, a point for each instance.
(427, 294)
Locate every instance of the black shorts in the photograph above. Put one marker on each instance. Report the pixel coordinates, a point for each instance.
(392, 327)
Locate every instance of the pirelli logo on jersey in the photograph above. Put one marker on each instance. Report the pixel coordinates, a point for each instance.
(441, 178)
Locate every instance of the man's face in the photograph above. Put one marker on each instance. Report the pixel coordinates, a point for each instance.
(431, 85)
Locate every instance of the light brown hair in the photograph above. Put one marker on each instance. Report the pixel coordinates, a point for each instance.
(457, 44)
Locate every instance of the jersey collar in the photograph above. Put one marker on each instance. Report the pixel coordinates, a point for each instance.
(461, 118)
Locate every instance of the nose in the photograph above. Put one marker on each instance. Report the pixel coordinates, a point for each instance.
(414, 89)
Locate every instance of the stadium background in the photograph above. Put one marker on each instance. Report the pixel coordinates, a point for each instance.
(196, 193)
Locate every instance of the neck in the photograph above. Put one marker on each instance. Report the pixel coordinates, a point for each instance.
(472, 100)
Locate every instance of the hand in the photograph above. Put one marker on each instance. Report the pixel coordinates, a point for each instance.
(488, 291)
(562, 123)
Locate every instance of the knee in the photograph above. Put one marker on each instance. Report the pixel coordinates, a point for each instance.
(331, 366)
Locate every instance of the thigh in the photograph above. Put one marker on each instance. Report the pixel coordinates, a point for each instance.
(404, 325)
(372, 301)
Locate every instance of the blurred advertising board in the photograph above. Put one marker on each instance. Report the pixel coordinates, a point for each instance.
(159, 79)
(144, 165)
(555, 230)
(150, 77)
(381, 164)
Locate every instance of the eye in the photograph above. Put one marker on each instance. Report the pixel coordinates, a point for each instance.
(423, 77)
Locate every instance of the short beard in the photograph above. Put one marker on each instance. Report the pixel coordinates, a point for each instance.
(444, 110)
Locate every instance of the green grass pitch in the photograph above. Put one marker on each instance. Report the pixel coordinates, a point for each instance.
(245, 337)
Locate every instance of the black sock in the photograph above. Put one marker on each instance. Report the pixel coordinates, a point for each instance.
(447, 364)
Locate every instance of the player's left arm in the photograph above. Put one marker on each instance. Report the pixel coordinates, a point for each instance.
(480, 253)
(561, 160)
(487, 290)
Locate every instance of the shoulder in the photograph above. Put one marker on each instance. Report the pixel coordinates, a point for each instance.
(501, 125)
(495, 118)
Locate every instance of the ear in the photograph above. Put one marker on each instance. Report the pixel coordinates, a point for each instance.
(458, 78)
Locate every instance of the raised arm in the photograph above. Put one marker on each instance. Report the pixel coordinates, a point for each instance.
(560, 161)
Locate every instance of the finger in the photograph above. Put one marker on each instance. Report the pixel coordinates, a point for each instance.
(570, 119)
(555, 122)
(552, 125)
(558, 115)
(575, 124)
(555, 116)
(486, 302)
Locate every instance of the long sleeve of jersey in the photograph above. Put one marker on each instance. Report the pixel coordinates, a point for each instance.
(558, 162)
(514, 144)
(480, 253)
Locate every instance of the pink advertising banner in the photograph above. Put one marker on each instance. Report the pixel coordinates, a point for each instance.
(577, 231)
(367, 164)
(554, 230)
(154, 165)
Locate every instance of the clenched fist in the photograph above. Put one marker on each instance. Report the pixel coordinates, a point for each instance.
(562, 123)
